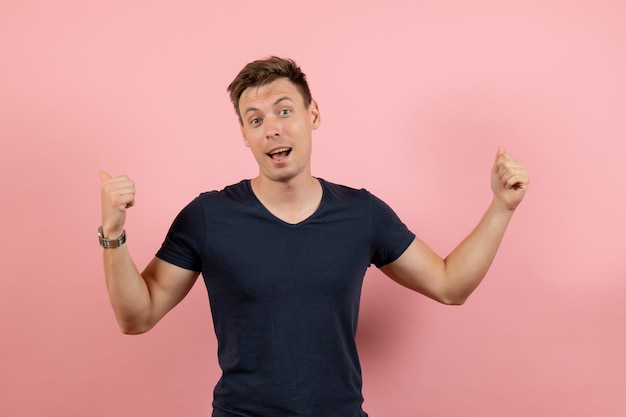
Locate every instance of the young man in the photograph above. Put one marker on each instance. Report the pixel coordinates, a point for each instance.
(283, 257)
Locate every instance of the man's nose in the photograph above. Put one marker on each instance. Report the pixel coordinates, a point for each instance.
(273, 127)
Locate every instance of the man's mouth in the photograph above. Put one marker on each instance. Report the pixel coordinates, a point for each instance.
(279, 153)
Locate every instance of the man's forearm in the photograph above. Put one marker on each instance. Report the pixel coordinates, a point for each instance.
(128, 291)
(469, 262)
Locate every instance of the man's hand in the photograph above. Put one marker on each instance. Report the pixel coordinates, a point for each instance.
(118, 194)
(509, 180)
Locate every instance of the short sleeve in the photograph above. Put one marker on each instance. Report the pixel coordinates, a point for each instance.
(390, 236)
(184, 240)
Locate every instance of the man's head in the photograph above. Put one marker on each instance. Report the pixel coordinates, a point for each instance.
(265, 71)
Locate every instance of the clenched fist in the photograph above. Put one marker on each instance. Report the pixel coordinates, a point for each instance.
(118, 194)
(509, 180)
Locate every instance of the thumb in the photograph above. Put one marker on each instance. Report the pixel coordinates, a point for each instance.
(499, 154)
(104, 176)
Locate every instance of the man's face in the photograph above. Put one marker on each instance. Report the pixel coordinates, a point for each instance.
(277, 127)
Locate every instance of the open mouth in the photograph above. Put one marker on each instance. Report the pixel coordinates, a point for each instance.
(279, 153)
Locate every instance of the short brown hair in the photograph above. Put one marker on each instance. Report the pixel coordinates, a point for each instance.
(265, 71)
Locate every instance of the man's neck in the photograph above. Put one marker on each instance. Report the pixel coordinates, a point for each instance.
(291, 201)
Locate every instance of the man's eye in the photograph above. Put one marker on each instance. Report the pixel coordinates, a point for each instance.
(255, 121)
(285, 112)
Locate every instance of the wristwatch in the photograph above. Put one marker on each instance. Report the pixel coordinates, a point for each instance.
(111, 244)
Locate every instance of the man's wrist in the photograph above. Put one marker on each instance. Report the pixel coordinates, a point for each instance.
(500, 210)
(107, 243)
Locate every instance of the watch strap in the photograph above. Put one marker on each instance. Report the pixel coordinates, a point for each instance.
(111, 243)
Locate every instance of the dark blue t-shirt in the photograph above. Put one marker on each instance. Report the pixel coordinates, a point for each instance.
(285, 297)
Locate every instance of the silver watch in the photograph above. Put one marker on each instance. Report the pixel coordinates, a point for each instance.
(111, 244)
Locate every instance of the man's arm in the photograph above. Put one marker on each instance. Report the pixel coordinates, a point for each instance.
(139, 301)
(453, 279)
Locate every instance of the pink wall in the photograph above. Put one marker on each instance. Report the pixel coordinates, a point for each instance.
(415, 97)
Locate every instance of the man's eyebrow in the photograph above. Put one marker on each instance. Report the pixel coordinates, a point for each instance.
(249, 109)
(283, 98)
(277, 102)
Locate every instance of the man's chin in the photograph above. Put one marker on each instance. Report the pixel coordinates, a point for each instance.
(283, 175)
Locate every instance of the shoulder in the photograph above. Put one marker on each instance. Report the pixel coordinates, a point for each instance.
(216, 200)
(343, 191)
(233, 192)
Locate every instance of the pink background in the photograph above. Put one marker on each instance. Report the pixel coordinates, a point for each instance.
(415, 98)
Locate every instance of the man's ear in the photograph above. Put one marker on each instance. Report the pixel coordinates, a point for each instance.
(314, 112)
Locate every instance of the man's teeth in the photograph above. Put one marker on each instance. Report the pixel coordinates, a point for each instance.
(280, 152)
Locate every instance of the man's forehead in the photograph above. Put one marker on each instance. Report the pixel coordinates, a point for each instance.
(281, 87)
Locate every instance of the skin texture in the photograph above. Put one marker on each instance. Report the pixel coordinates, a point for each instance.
(453, 279)
(274, 117)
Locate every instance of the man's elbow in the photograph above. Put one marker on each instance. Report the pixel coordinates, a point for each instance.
(453, 299)
(132, 331)
(134, 328)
